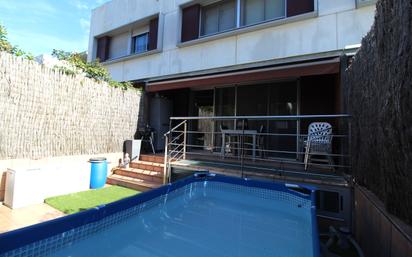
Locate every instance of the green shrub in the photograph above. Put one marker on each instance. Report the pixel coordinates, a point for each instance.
(78, 64)
(6, 46)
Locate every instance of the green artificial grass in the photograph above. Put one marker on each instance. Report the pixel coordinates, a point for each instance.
(81, 201)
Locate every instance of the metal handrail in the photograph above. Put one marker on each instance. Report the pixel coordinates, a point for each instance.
(177, 153)
(266, 150)
(175, 127)
(258, 134)
(278, 117)
(176, 138)
(168, 144)
(177, 148)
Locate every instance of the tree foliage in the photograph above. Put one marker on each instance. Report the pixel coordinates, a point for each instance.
(6, 46)
(78, 64)
(74, 63)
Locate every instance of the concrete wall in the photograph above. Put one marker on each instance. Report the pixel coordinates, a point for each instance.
(57, 176)
(338, 23)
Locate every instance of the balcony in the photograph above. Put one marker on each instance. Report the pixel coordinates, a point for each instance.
(271, 147)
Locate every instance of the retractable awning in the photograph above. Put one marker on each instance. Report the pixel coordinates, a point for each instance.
(324, 67)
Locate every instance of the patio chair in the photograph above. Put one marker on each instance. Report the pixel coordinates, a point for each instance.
(260, 142)
(232, 143)
(146, 134)
(319, 142)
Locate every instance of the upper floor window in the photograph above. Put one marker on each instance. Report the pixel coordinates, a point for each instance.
(256, 11)
(225, 15)
(129, 40)
(140, 43)
(218, 17)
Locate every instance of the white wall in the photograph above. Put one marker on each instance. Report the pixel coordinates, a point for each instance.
(338, 24)
(52, 176)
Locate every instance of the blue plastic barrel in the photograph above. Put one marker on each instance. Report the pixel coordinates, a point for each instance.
(98, 173)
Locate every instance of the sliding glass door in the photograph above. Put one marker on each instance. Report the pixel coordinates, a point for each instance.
(283, 101)
(272, 99)
(225, 105)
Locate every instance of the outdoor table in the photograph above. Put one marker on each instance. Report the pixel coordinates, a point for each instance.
(240, 133)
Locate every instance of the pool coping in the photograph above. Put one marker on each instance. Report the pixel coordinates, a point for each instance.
(22, 237)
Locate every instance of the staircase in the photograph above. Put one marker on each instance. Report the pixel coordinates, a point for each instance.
(142, 175)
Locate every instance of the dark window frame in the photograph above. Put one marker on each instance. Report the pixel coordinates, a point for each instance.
(134, 43)
(299, 7)
(265, 20)
(153, 36)
(102, 48)
(212, 5)
(190, 23)
(303, 7)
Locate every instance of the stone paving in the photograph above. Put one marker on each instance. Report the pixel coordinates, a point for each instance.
(11, 219)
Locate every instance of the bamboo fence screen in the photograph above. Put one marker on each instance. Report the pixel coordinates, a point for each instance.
(45, 113)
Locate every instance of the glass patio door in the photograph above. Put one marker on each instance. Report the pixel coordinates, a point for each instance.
(253, 101)
(225, 105)
(204, 108)
(283, 100)
(274, 99)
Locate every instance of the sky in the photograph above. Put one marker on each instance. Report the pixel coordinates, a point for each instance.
(39, 26)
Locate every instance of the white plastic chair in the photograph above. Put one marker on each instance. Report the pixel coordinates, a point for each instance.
(319, 141)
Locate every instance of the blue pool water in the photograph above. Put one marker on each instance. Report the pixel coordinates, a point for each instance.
(208, 219)
(204, 215)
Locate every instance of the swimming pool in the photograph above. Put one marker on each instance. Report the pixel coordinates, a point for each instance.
(204, 215)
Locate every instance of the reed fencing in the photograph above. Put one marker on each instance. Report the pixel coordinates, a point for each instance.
(379, 98)
(45, 113)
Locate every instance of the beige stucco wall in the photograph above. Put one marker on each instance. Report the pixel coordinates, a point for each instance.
(337, 24)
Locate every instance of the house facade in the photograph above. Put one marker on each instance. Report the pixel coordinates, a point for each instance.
(161, 39)
(223, 68)
(231, 57)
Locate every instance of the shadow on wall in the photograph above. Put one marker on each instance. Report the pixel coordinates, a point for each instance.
(380, 99)
(379, 88)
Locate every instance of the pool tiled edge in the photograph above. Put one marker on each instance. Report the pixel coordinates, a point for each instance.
(45, 238)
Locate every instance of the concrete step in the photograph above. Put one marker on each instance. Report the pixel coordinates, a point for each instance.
(145, 165)
(146, 175)
(133, 183)
(158, 158)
